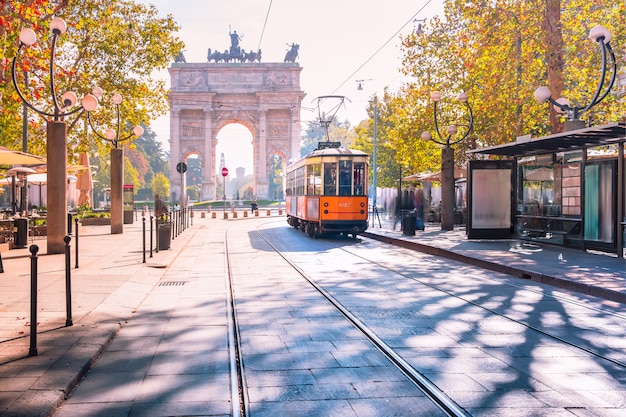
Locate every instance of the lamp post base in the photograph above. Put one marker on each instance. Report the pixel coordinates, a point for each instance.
(57, 187)
(117, 191)
(447, 188)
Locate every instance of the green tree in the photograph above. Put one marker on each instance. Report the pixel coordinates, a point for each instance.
(160, 185)
(131, 175)
(337, 131)
(90, 53)
(498, 52)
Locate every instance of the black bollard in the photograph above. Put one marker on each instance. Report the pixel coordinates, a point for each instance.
(68, 283)
(33, 300)
(151, 231)
(157, 227)
(76, 244)
(143, 226)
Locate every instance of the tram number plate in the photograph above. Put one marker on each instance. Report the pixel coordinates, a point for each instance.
(344, 205)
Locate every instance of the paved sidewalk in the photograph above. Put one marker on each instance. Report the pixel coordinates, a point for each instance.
(112, 281)
(593, 273)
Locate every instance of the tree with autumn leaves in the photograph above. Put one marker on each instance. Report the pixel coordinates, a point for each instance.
(499, 52)
(114, 44)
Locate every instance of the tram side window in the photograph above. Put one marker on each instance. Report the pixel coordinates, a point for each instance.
(300, 181)
(359, 178)
(290, 185)
(345, 177)
(314, 179)
(330, 178)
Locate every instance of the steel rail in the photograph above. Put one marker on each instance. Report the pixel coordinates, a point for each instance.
(502, 315)
(238, 391)
(439, 398)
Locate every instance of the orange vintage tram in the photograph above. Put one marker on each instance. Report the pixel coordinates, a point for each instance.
(327, 191)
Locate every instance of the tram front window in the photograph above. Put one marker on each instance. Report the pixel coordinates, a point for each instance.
(330, 178)
(359, 179)
(345, 177)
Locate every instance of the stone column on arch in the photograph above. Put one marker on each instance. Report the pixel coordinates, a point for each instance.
(208, 169)
(175, 177)
(294, 130)
(261, 181)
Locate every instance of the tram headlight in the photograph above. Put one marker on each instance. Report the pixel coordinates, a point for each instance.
(325, 211)
(326, 204)
(362, 211)
(362, 205)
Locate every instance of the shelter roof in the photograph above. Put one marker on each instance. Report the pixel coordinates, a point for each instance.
(608, 134)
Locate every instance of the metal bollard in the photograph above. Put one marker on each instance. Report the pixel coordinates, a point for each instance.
(32, 351)
(157, 236)
(143, 237)
(68, 283)
(151, 231)
(76, 234)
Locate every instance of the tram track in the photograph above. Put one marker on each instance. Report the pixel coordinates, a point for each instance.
(554, 337)
(238, 384)
(419, 379)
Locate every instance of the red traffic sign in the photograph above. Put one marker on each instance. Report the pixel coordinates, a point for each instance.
(224, 172)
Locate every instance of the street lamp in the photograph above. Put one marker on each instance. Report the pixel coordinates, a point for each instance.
(447, 158)
(56, 130)
(561, 105)
(117, 155)
(374, 154)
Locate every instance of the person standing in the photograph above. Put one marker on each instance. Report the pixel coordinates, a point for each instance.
(159, 206)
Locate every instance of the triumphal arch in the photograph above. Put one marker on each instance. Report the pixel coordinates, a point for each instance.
(205, 97)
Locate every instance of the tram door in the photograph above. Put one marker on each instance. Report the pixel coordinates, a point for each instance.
(599, 215)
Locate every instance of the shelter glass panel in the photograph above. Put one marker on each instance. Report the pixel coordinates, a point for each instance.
(599, 202)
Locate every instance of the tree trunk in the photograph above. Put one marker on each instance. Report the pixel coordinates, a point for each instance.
(554, 57)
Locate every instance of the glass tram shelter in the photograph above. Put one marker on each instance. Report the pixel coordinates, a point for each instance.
(564, 189)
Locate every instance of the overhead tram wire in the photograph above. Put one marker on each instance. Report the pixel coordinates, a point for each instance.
(351, 76)
(264, 25)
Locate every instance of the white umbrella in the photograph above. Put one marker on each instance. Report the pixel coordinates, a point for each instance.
(11, 157)
(84, 182)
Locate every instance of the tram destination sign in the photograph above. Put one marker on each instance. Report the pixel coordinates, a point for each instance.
(328, 145)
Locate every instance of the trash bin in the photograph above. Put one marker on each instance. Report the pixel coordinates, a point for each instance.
(20, 234)
(165, 234)
(408, 222)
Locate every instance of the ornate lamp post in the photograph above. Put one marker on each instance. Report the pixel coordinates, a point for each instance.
(543, 94)
(56, 139)
(117, 157)
(447, 158)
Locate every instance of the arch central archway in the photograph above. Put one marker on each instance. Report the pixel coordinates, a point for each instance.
(205, 97)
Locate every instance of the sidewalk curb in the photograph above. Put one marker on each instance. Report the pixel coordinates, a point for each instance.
(566, 284)
(56, 383)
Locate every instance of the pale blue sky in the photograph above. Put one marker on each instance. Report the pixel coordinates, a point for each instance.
(341, 41)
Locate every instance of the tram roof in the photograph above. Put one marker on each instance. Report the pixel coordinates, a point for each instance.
(337, 151)
(590, 137)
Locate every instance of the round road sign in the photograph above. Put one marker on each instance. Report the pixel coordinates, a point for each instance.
(224, 172)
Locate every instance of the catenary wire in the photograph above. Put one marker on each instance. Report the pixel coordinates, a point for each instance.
(381, 47)
(269, 8)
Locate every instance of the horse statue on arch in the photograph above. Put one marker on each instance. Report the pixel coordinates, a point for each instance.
(292, 54)
(252, 56)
